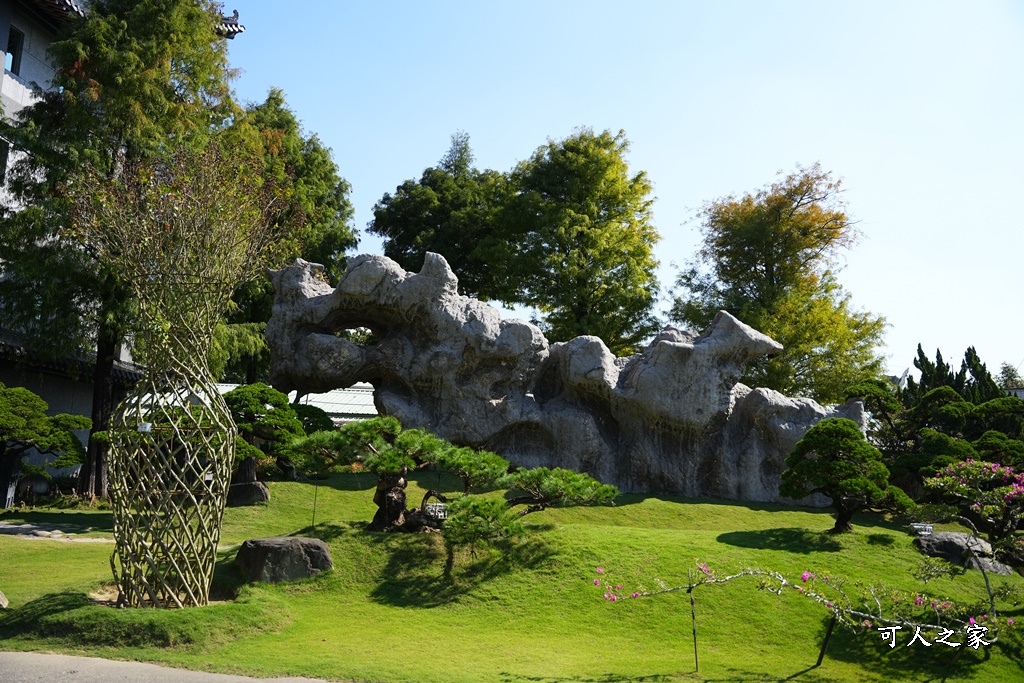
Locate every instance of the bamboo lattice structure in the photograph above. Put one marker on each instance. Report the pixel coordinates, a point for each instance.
(184, 232)
(172, 445)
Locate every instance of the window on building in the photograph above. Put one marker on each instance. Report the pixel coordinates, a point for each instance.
(15, 44)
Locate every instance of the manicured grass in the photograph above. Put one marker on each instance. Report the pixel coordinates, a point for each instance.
(386, 612)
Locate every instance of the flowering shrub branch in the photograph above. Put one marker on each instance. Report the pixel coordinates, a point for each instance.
(854, 605)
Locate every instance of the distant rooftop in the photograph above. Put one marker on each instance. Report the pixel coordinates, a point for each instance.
(343, 405)
(229, 26)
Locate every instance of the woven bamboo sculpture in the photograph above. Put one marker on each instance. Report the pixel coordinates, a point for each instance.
(183, 233)
(171, 451)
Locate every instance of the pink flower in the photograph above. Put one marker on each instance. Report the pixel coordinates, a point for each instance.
(918, 600)
(618, 588)
(597, 582)
(807, 575)
(972, 621)
(600, 570)
(637, 595)
(1011, 622)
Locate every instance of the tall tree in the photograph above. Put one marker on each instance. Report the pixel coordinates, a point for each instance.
(768, 258)
(587, 260)
(451, 210)
(319, 219)
(972, 382)
(133, 78)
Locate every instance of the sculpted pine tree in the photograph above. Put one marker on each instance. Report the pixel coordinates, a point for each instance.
(835, 460)
(768, 259)
(24, 425)
(131, 77)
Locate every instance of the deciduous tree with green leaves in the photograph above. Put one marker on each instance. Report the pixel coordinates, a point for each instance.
(451, 210)
(587, 261)
(567, 232)
(834, 459)
(769, 258)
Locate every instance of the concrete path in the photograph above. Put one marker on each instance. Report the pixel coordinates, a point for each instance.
(30, 667)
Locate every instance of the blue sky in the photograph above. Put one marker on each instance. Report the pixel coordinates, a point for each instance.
(918, 106)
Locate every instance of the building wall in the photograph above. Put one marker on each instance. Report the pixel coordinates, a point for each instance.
(16, 90)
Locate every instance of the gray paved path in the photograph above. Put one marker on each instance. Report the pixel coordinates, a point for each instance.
(31, 667)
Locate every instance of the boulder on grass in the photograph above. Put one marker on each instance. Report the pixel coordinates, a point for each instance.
(283, 558)
(248, 493)
(3, 601)
(961, 549)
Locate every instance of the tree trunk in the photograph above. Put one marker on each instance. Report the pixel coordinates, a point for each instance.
(843, 517)
(8, 479)
(246, 472)
(390, 500)
(93, 475)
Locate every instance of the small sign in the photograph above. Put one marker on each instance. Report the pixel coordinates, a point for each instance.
(921, 529)
(437, 510)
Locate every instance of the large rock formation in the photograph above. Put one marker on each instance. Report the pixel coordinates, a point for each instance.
(672, 419)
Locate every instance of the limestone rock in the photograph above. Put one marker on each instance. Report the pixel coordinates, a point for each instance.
(283, 558)
(248, 493)
(961, 549)
(672, 419)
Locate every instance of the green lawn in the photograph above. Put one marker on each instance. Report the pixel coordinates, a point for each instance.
(387, 614)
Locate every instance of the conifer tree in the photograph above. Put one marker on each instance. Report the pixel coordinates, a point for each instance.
(134, 78)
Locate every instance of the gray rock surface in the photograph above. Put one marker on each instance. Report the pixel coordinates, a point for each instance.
(248, 493)
(961, 549)
(283, 558)
(673, 419)
(3, 601)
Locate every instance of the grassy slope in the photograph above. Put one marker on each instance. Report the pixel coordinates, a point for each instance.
(386, 614)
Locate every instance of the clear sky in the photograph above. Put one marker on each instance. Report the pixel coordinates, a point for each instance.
(918, 106)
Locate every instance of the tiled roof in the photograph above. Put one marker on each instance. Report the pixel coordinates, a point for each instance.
(15, 348)
(57, 11)
(229, 26)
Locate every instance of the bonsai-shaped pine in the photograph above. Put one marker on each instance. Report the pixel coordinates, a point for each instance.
(382, 447)
(24, 424)
(265, 420)
(835, 460)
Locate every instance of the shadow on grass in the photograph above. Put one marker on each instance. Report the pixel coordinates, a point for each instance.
(26, 619)
(414, 575)
(329, 531)
(70, 520)
(881, 539)
(935, 663)
(227, 578)
(788, 539)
